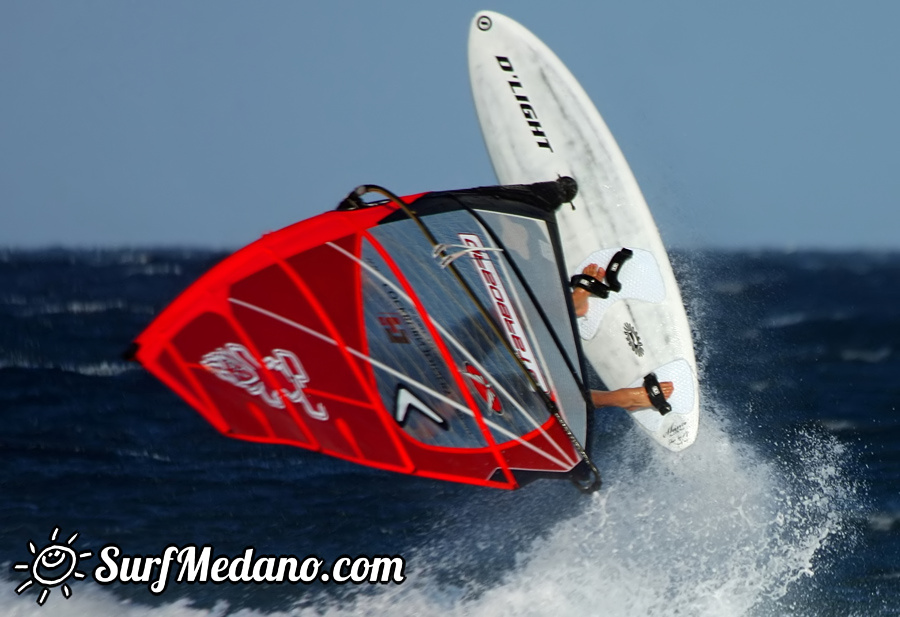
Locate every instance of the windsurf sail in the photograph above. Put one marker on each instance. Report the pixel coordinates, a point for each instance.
(428, 335)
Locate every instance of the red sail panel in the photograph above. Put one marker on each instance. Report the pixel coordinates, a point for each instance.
(344, 311)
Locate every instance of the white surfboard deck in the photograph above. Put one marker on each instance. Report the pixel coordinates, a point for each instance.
(539, 124)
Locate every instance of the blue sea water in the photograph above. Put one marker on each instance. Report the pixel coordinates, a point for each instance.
(787, 504)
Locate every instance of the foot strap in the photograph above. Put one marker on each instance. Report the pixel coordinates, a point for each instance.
(654, 391)
(612, 270)
(590, 284)
(597, 287)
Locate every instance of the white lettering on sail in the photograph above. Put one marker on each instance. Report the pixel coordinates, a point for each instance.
(509, 319)
(235, 364)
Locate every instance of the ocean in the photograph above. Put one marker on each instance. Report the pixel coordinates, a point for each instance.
(787, 504)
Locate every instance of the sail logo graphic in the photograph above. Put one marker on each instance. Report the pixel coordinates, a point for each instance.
(52, 566)
(512, 325)
(393, 326)
(235, 364)
(484, 388)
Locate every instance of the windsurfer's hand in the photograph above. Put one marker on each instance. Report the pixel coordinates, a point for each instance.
(630, 399)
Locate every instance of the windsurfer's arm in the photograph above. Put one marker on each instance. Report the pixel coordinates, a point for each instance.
(580, 296)
(630, 399)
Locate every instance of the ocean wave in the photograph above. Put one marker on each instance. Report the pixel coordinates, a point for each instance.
(884, 521)
(144, 454)
(786, 320)
(95, 369)
(796, 318)
(838, 426)
(101, 369)
(80, 307)
(15, 300)
(730, 288)
(868, 356)
(156, 269)
(29, 307)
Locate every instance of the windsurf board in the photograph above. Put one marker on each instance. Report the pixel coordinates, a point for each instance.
(539, 124)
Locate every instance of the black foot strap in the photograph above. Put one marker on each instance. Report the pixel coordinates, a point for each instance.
(590, 284)
(612, 270)
(598, 288)
(654, 391)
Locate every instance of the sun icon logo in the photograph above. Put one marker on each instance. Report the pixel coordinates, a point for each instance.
(52, 566)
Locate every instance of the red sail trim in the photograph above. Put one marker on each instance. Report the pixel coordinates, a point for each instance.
(527, 447)
(336, 454)
(447, 356)
(512, 444)
(341, 399)
(344, 429)
(365, 381)
(372, 382)
(486, 482)
(526, 459)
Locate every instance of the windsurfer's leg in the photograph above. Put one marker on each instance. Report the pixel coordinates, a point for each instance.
(630, 399)
(580, 296)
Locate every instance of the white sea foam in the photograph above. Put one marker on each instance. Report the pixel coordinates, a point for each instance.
(75, 307)
(884, 521)
(100, 369)
(786, 320)
(717, 530)
(156, 269)
(869, 356)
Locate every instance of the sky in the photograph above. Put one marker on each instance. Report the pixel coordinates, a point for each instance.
(205, 123)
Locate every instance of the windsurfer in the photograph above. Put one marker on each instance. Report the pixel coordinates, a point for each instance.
(629, 399)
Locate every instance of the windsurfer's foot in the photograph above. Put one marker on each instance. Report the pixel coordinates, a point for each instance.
(581, 296)
(629, 399)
